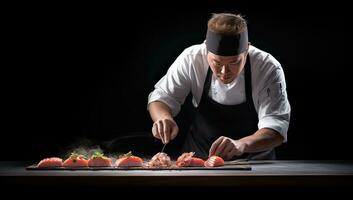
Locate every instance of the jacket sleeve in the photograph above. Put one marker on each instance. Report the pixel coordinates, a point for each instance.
(174, 86)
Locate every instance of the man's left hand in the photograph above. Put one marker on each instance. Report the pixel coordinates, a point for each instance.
(227, 148)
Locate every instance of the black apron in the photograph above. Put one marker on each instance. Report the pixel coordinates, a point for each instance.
(213, 120)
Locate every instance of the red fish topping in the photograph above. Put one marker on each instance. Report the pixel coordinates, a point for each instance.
(99, 160)
(76, 160)
(214, 161)
(50, 162)
(187, 160)
(129, 160)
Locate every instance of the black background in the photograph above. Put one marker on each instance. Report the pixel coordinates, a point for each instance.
(81, 75)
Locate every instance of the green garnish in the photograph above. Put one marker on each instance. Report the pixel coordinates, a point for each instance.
(128, 154)
(98, 154)
(75, 156)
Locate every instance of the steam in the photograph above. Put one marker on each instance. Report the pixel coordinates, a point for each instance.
(87, 148)
(139, 143)
(86, 151)
(82, 146)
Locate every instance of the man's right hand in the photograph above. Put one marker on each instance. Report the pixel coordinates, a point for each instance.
(165, 129)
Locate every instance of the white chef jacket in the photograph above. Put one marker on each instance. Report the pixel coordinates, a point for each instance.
(188, 73)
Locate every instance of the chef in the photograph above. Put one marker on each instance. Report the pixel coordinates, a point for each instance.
(239, 95)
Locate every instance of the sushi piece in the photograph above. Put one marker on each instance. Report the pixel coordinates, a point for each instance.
(197, 162)
(160, 160)
(214, 161)
(50, 162)
(76, 160)
(187, 160)
(129, 160)
(99, 160)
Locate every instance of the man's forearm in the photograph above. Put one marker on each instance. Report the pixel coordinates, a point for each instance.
(159, 110)
(262, 140)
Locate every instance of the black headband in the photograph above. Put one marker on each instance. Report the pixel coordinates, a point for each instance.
(226, 45)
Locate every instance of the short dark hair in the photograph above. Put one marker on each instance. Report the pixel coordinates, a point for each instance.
(227, 23)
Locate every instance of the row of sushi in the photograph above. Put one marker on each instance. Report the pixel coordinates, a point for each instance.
(129, 160)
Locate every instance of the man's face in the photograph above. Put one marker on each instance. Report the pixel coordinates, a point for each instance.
(226, 68)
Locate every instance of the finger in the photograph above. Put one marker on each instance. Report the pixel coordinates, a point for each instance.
(231, 153)
(226, 150)
(166, 129)
(214, 146)
(160, 131)
(175, 130)
(221, 146)
(155, 131)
